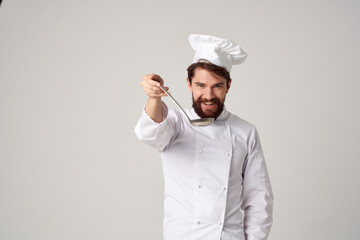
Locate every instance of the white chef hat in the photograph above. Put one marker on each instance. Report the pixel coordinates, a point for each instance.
(218, 51)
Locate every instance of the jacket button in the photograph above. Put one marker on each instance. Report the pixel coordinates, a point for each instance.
(200, 151)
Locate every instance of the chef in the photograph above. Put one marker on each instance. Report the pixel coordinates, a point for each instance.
(217, 185)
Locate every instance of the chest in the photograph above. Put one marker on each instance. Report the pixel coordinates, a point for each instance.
(213, 153)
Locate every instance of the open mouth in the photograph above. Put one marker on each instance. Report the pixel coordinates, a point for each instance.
(208, 103)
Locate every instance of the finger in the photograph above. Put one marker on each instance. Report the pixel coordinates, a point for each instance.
(157, 95)
(151, 87)
(152, 82)
(148, 89)
(156, 78)
(152, 90)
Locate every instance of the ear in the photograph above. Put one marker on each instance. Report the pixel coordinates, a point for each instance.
(228, 86)
(189, 84)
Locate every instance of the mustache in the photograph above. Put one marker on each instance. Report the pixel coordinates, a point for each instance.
(214, 100)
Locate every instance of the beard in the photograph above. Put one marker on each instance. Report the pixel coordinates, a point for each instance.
(208, 114)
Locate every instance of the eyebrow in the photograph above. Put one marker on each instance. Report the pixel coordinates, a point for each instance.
(216, 84)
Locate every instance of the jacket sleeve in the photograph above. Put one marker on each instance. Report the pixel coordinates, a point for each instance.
(157, 135)
(257, 196)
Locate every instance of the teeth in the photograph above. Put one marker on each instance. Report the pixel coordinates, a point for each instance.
(208, 104)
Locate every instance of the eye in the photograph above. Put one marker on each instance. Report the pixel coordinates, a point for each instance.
(200, 85)
(219, 85)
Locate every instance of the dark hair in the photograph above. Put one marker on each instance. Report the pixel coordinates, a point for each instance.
(212, 68)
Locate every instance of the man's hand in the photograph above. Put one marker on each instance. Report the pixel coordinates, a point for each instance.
(151, 86)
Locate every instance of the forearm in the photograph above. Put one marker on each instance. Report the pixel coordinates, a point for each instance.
(151, 85)
(153, 109)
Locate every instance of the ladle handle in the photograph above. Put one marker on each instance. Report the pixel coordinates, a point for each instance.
(175, 102)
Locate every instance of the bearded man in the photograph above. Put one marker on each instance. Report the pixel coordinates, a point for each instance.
(217, 185)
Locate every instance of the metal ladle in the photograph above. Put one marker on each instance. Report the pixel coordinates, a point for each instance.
(194, 122)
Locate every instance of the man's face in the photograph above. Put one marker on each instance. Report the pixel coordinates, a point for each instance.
(209, 91)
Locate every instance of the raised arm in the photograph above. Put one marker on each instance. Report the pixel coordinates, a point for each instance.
(151, 86)
(156, 126)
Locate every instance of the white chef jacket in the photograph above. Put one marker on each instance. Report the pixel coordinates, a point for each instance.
(217, 185)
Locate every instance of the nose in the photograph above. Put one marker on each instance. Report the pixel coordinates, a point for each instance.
(208, 93)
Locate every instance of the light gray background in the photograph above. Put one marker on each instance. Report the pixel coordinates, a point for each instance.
(70, 95)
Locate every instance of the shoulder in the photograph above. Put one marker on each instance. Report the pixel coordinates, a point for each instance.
(247, 131)
(241, 124)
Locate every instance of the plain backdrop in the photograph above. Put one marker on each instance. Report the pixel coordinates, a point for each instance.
(70, 95)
